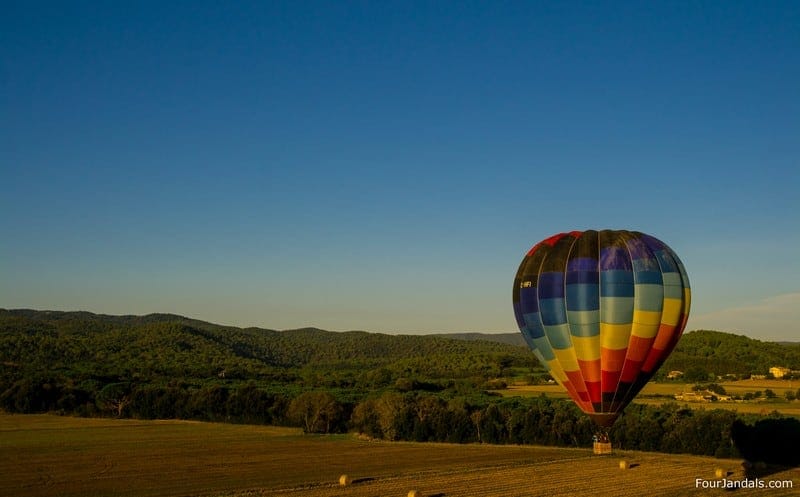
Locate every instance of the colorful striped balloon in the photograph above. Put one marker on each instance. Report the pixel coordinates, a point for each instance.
(601, 310)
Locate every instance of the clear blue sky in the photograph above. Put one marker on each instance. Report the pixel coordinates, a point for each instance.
(385, 165)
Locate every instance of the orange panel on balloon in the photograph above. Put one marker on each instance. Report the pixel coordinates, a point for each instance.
(638, 348)
(665, 335)
(590, 370)
(612, 360)
(653, 359)
(577, 381)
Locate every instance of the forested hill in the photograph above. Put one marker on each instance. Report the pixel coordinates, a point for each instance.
(165, 346)
(725, 353)
(712, 351)
(161, 347)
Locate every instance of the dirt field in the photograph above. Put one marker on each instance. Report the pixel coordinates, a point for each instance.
(50, 455)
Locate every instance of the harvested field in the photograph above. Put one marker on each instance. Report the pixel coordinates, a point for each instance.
(649, 474)
(780, 387)
(659, 393)
(50, 455)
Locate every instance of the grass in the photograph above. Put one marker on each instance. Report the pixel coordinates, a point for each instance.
(49, 455)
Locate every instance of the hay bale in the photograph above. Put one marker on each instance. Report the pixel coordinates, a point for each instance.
(720, 473)
(414, 493)
(345, 480)
(623, 464)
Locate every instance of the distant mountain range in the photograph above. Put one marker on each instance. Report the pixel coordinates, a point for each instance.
(81, 337)
(508, 338)
(156, 347)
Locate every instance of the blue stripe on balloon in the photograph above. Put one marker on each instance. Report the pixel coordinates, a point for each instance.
(553, 311)
(543, 345)
(666, 261)
(649, 297)
(558, 335)
(616, 277)
(528, 336)
(673, 292)
(616, 283)
(551, 285)
(652, 243)
(540, 358)
(582, 264)
(617, 310)
(612, 258)
(528, 300)
(590, 277)
(647, 277)
(534, 324)
(583, 297)
(585, 330)
(637, 249)
(518, 315)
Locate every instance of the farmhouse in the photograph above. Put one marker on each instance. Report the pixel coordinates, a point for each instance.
(779, 372)
(702, 396)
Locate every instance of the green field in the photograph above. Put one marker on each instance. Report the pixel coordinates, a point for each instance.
(42, 455)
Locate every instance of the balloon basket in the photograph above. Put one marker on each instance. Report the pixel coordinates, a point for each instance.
(601, 448)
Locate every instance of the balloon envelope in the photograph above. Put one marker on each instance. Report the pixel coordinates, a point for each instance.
(601, 310)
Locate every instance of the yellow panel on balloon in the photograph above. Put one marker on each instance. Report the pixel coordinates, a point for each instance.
(672, 311)
(614, 336)
(557, 372)
(567, 359)
(646, 323)
(586, 348)
(645, 330)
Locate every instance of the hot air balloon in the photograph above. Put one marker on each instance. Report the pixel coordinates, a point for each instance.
(601, 310)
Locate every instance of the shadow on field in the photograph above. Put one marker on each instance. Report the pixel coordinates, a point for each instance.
(769, 446)
(363, 480)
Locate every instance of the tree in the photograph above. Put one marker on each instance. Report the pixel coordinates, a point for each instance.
(365, 419)
(114, 397)
(393, 416)
(477, 421)
(316, 412)
(493, 425)
(38, 394)
(458, 426)
(248, 404)
(209, 403)
(711, 387)
(696, 374)
(427, 409)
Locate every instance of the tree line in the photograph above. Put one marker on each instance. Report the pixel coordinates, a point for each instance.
(415, 415)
